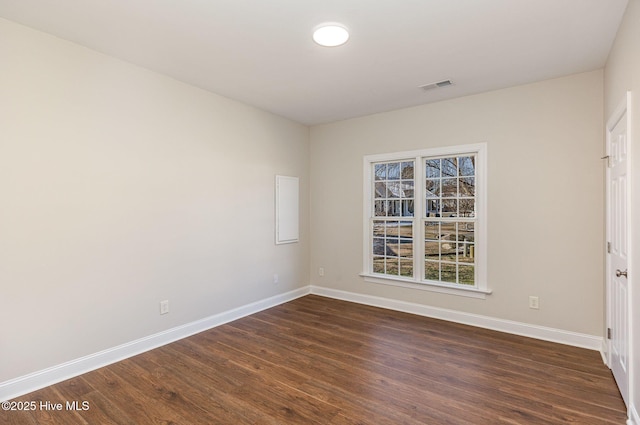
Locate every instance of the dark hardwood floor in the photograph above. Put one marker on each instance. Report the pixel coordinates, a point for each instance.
(321, 361)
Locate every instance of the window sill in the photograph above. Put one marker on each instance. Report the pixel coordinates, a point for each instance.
(412, 284)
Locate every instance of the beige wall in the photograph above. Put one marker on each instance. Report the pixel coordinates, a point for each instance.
(545, 196)
(120, 188)
(622, 73)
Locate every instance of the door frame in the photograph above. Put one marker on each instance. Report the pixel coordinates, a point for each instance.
(623, 107)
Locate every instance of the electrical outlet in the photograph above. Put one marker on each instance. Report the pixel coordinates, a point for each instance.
(276, 278)
(164, 307)
(534, 303)
(321, 271)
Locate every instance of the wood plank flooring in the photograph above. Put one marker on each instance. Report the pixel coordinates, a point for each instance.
(321, 361)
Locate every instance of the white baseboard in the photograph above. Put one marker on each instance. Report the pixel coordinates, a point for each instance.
(634, 418)
(604, 352)
(591, 342)
(43, 378)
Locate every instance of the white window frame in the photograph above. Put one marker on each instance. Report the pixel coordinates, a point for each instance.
(480, 288)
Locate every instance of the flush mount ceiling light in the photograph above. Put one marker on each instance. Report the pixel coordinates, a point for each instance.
(330, 34)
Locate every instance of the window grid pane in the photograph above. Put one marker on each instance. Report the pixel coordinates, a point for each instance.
(449, 251)
(449, 219)
(393, 200)
(393, 190)
(393, 247)
(449, 187)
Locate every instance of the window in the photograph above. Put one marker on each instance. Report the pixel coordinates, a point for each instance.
(425, 219)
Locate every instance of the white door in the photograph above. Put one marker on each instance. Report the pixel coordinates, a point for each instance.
(618, 249)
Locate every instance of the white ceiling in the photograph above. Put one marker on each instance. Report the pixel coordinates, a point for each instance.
(261, 52)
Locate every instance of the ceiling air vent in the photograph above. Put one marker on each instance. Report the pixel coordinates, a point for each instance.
(439, 84)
